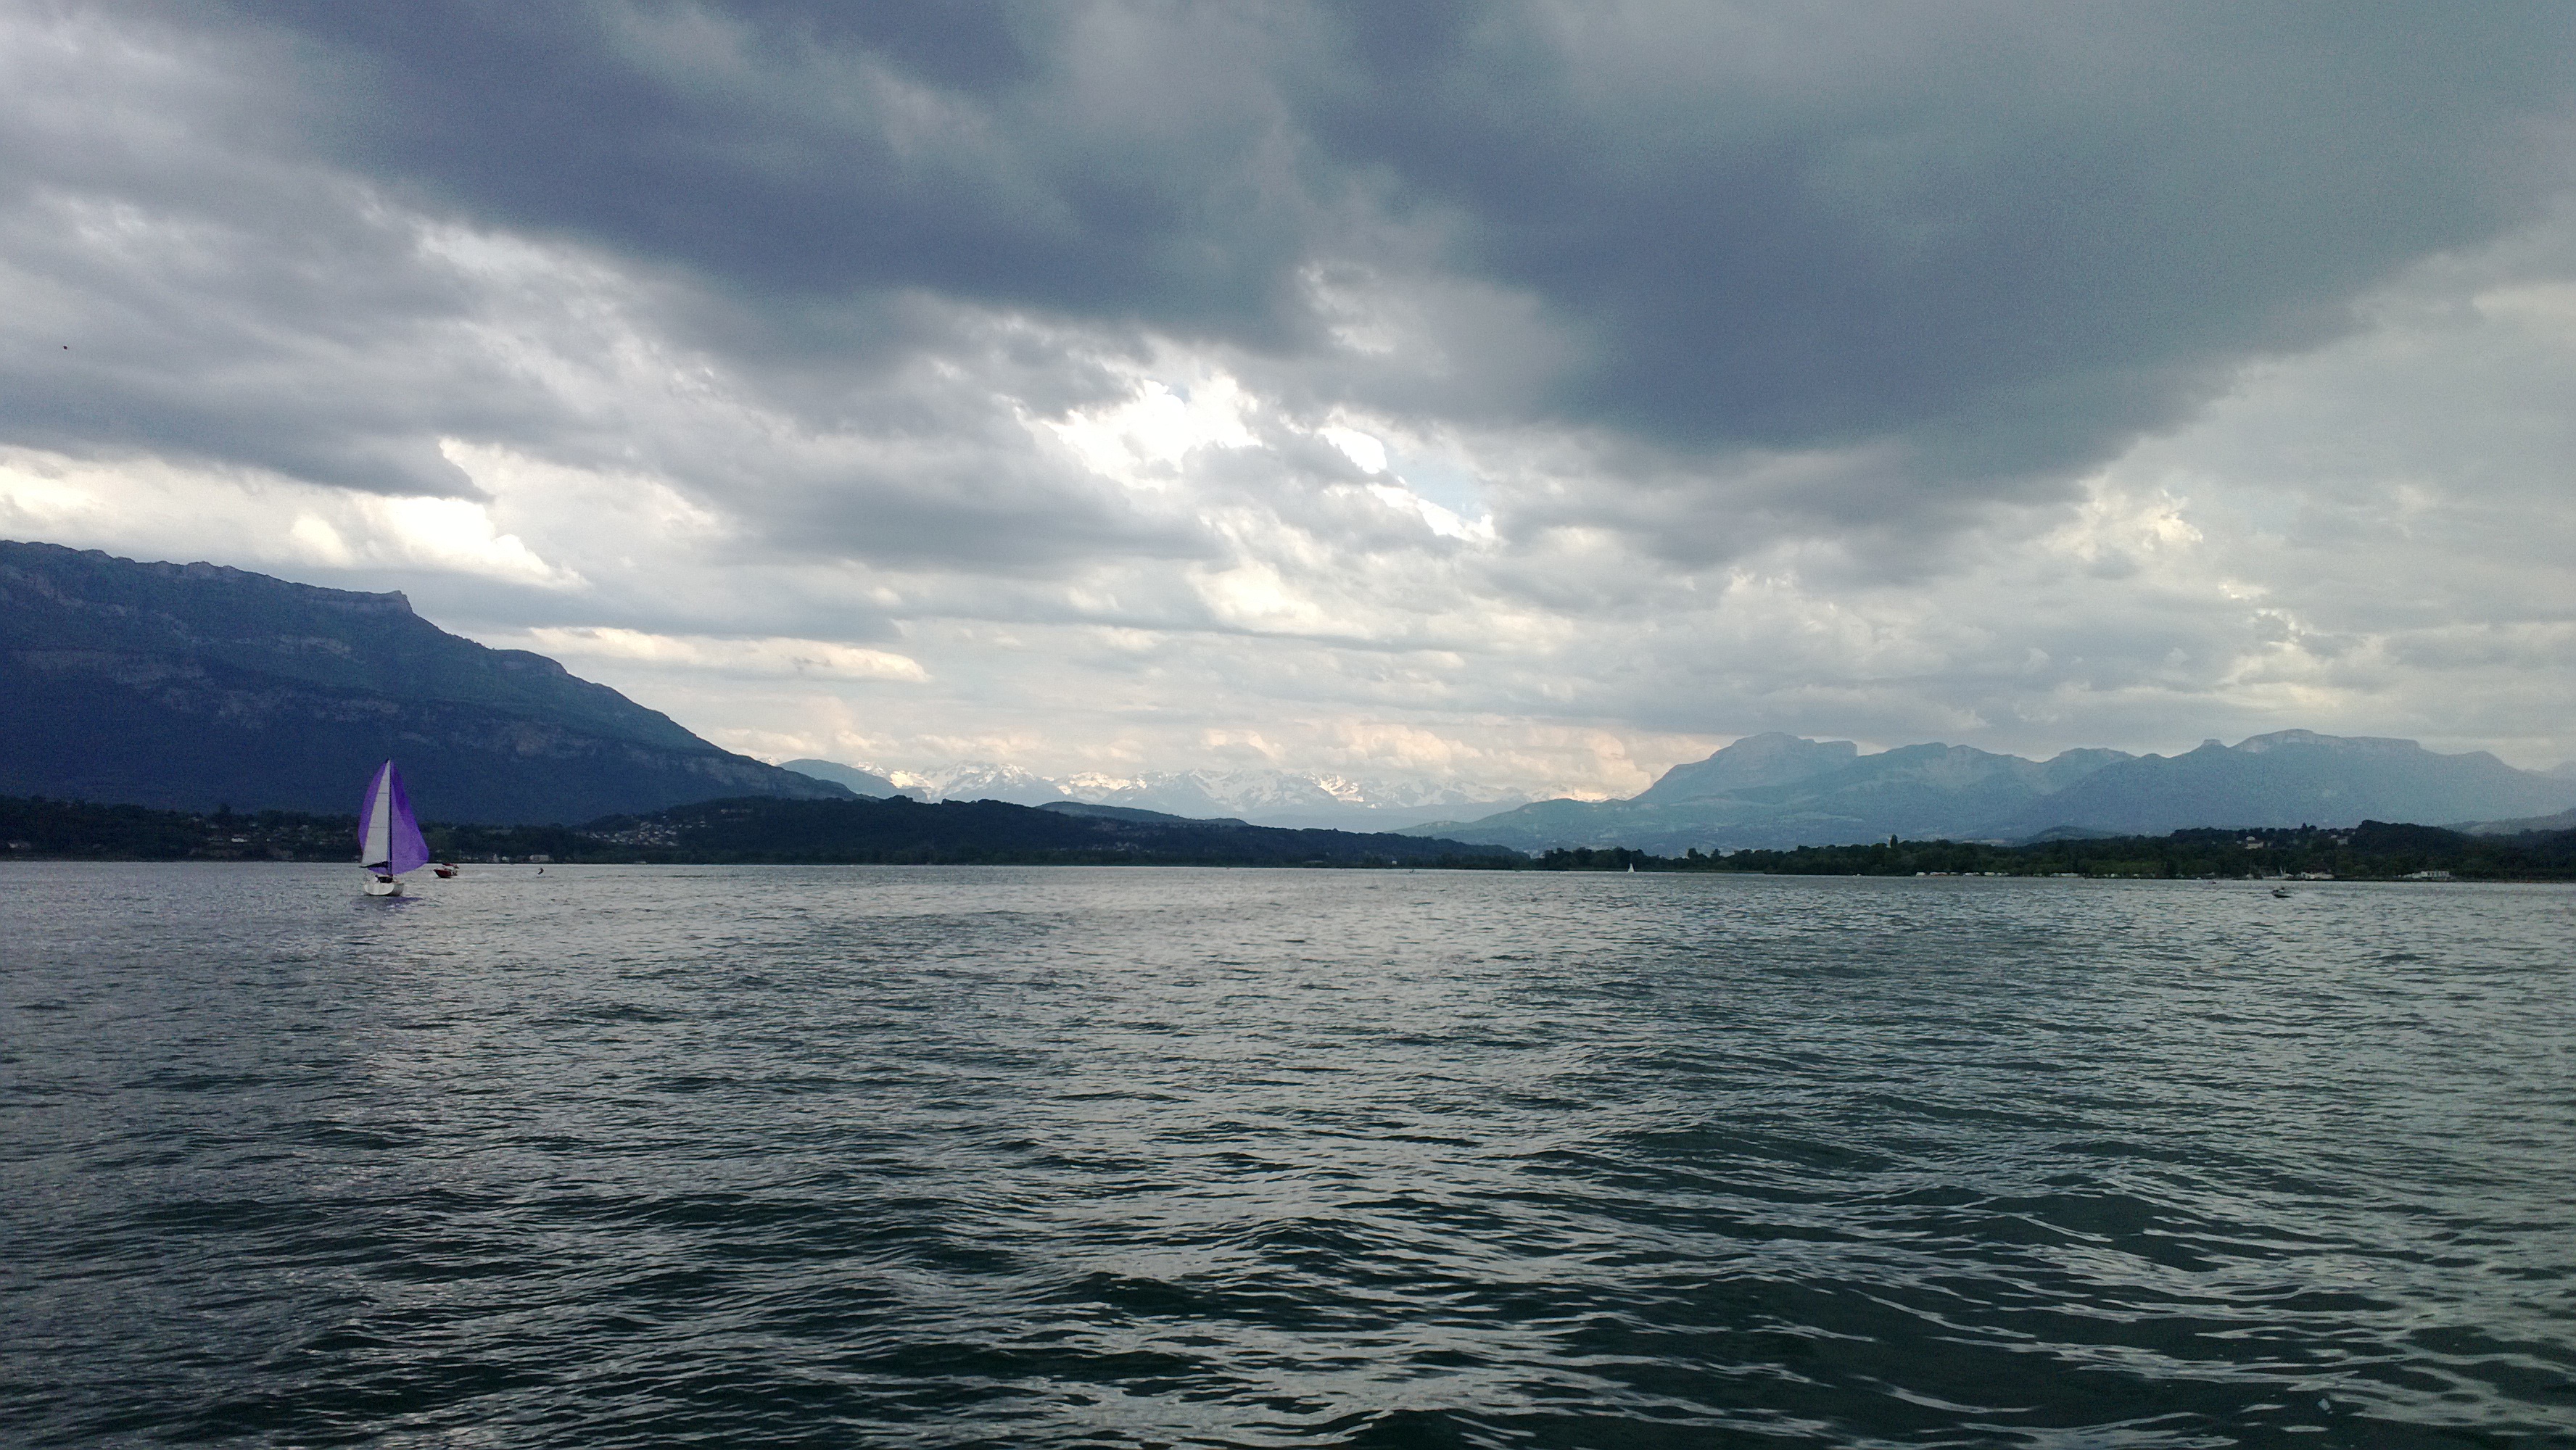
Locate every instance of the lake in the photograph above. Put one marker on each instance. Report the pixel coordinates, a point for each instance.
(756, 1156)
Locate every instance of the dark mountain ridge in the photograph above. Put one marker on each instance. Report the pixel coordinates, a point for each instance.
(1138, 814)
(194, 685)
(902, 830)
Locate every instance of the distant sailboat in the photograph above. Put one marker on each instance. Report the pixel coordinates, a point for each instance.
(389, 842)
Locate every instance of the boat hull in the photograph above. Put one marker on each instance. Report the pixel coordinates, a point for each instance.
(380, 886)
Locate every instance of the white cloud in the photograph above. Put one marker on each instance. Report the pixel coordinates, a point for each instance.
(778, 657)
(177, 511)
(1142, 440)
(1367, 453)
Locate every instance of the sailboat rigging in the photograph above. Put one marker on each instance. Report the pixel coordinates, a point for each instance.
(389, 842)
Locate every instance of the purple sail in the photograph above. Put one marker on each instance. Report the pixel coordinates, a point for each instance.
(388, 836)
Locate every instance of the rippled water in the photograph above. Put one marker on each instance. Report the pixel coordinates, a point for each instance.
(949, 1156)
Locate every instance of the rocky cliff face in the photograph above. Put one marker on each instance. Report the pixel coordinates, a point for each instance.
(194, 686)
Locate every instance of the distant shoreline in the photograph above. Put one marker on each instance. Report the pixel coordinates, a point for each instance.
(992, 833)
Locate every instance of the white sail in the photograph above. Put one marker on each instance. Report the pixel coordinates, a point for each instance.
(376, 836)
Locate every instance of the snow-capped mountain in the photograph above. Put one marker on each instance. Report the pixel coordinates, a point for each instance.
(1278, 797)
(1208, 793)
(1263, 797)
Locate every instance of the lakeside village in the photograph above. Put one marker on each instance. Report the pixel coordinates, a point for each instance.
(35, 828)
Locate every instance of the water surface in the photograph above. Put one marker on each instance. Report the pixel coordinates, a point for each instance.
(1056, 1157)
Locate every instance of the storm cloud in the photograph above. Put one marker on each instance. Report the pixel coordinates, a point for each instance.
(1524, 372)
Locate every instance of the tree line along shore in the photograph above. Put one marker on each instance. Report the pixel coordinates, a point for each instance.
(996, 833)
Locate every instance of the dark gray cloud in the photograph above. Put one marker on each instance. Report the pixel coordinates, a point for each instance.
(2008, 232)
(154, 313)
(2008, 236)
(1076, 159)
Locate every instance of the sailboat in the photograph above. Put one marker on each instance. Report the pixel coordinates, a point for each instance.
(389, 842)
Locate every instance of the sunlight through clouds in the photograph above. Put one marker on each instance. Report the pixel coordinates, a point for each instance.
(1140, 442)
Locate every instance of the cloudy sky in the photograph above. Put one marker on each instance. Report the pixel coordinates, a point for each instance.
(1525, 395)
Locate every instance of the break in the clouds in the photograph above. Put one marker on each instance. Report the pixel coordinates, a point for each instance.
(1524, 395)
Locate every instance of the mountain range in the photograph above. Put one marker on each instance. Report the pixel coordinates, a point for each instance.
(192, 686)
(1776, 791)
(1262, 797)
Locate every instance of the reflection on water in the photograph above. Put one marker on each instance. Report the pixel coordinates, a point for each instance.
(1107, 1157)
